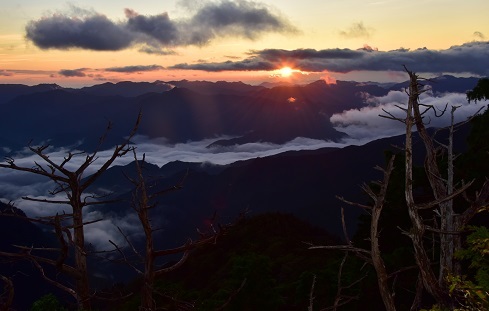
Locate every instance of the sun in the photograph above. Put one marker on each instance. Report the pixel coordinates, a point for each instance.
(286, 71)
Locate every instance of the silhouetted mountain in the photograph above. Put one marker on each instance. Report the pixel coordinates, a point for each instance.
(445, 83)
(10, 91)
(127, 88)
(270, 85)
(219, 87)
(325, 98)
(179, 115)
(204, 110)
(62, 117)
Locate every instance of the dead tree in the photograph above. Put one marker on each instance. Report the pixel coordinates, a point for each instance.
(143, 202)
(68, 227)
(372, 256)
(443, 191)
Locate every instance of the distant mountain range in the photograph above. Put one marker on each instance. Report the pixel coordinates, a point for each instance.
(183, 111)
(303, 183)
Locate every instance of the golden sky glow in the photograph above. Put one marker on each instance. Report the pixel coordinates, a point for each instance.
(383, 25)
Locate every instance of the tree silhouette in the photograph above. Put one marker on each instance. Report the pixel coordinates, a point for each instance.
(480, 91)
(447, 225)
(68, 227)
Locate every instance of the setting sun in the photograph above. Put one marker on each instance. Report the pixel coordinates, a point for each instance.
(286, 71)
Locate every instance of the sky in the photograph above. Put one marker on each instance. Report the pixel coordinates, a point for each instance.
(79, 43)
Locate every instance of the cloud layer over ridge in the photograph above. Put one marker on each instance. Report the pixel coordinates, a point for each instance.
(472, 57)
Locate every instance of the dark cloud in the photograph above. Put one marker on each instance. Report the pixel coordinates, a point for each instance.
(156, 33)
(130, 69)
(253, 64)
(95, 32)
(246, 19)
(29, 72)
(472, 58)
(357, 30)
(156, 50)
(158, 27)
(73, 72)
(301, 54)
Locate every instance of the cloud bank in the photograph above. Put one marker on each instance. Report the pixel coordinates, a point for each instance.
(157, 34)
(14, 185)
(472, 57)
(366, 123)
(73, 72)
(130, 69)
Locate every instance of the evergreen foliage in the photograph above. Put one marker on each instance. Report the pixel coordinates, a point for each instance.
(480, 91)
(47, 302)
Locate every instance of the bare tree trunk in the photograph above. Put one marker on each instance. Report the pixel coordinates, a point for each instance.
(142, 204)
(447, 241)
(82, 283)
(437, 183)
(147, 301)
(374, 254)
(378, 262)
(430, 281)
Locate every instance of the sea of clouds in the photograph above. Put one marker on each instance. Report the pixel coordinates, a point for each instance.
(362, 125)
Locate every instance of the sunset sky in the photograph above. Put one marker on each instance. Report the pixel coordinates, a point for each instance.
(88, 42)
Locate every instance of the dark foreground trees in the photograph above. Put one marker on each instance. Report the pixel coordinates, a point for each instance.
(143, 202)
(437, 210)
(56, 264)
(68, 227)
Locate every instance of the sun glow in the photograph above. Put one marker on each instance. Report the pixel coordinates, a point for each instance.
(286, 72)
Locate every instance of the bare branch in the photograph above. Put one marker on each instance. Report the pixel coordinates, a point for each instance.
(341, 248)
(365, 207)
(173, 267)
(125, 260)
(480, 203)
(129, 243)
(46, 201)
(119, 151)
(444, 199)
(27, 255)
(67, 289)
(311, 294)
(341, 299)
(419, 293)
(391, 116)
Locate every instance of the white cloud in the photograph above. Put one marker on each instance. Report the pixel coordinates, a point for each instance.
(99, 233)
(366, 124)
(14, 184)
